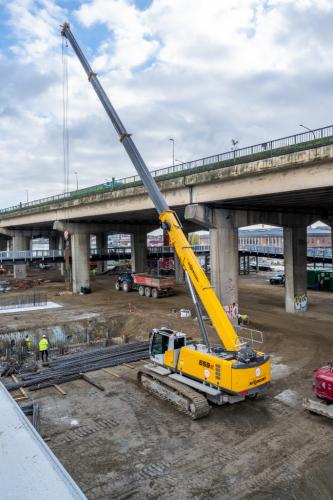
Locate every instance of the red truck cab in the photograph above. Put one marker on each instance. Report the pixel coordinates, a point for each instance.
(323, 383)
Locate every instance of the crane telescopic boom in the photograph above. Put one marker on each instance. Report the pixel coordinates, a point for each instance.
(170, 222)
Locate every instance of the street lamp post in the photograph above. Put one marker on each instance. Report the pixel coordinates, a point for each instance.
(173, 151)
(27, 195)
(309, 130)
(77, 181)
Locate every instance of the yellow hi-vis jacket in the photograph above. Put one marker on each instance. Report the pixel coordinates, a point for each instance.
(28, 343)
(43, 344)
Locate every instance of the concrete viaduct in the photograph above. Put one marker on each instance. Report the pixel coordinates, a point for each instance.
(291, 190)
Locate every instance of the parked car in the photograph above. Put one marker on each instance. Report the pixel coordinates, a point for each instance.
(277, 279)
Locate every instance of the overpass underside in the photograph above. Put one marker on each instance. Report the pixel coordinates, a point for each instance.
(291, 191)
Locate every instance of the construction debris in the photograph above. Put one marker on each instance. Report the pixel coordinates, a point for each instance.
(71, 367)
(32, 409)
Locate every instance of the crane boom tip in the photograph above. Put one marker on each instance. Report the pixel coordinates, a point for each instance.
(64, 27)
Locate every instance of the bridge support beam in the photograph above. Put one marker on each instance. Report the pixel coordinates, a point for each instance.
(20, 243)
(295, 264)
(139, 251)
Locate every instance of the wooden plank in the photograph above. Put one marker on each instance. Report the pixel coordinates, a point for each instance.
(128, 366)
(59, 389)
(22, 391)
(20, 398)
(111, 373)
(92, 382)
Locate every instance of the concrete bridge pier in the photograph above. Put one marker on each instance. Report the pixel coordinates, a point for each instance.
(3, 244)
(101, 246)
(223, 250)
(56, 242)
(139, 251)
(80, 244)
(224, 257)
(80, 247)
(295, 264)
(179, 271)
(21, 242)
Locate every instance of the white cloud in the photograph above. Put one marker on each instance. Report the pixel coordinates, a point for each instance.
(201, 72)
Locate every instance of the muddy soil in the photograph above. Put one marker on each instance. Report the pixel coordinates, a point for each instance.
(124, 443)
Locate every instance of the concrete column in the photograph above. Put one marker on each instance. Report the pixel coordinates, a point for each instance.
(332, 245)
(295, 264)
(3, 244)
(20, 243)
(179, 271)
(139, 252)
(224, 257)
(80, 243)
(60, 247)
(101, 246)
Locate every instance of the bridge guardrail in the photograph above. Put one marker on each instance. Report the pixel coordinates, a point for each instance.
(285, 145)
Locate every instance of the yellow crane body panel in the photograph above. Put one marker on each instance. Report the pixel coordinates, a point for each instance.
(222, 373)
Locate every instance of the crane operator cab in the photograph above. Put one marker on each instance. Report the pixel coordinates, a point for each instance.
(165, 345)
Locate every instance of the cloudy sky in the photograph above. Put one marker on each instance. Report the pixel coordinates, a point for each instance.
(200, 71)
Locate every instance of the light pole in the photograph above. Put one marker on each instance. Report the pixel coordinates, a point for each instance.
(27, 195)
(173, 151)
(77, 181)
(309, 130)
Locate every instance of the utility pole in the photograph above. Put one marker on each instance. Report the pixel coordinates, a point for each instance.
(173, 151)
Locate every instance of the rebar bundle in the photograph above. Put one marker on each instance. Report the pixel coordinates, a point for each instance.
(70, 367)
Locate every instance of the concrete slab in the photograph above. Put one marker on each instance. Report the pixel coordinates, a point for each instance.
(49, 305)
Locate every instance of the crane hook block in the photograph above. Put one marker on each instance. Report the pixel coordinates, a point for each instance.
(64, 27)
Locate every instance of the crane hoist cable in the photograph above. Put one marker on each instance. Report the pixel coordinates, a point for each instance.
(65, 144)
(65, 100)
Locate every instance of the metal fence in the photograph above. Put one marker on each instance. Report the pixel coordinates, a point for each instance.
(23, 300)
(285, 145)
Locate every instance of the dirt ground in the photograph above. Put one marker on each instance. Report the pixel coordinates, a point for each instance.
(123, 443)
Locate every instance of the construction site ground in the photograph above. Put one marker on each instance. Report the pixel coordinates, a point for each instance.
(123, 443)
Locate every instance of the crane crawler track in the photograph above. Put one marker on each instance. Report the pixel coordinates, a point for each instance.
(184, 398)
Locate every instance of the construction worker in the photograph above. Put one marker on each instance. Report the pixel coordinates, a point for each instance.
(28, 343)
(43, 348)
(243, 319)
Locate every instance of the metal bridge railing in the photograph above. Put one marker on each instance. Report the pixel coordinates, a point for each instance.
(285, 145)
(30, 255)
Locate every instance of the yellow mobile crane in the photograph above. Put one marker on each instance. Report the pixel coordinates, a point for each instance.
(188, 374)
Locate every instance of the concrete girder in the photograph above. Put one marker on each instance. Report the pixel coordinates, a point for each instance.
(78, 227)
(203, 216)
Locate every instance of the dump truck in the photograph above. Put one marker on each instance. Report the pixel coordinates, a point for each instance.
(146, 284)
